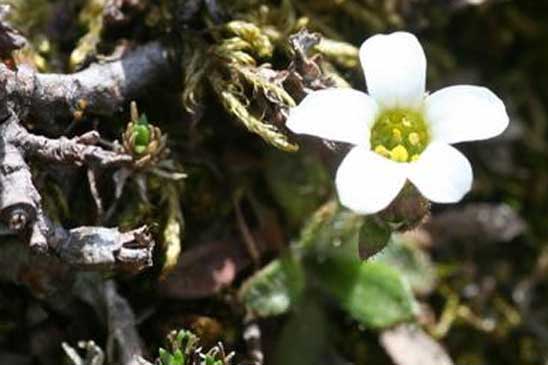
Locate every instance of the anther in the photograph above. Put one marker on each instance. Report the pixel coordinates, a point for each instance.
(400, 135)
(396, 135)
(414, 138)
(383, 151)
(399, 154)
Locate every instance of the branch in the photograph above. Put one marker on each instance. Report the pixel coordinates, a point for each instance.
(122, 327)
(94, 354)
(19, 199)
(252, 337)
(100, 89)
(10, 38)
(78, 151)
(104, 249)
(92, 248)
(124, 345)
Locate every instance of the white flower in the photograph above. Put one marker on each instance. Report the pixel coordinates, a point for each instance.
(400, 133)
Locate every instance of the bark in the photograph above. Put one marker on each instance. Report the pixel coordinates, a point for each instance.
(122, 327)
(91, 248)
(101, 89)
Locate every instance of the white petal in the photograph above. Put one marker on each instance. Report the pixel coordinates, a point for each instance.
(465, 113)
(395, 69)
(343, 115)
(367, 182)
(442, 174)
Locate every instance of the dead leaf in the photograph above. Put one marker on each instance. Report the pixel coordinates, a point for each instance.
(410, 345)
(484, 221)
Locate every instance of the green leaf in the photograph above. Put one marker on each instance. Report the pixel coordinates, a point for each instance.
(305, 336)
(139, 149)
(272, 290)
(165, 356)
(182, 339)
(141, 133)
(209, 360)
(299, 182)
(406, 257)
(331, 228)
(373, 293)
(143, 120)
(178, 358)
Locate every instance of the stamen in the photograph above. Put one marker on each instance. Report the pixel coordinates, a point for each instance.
(400, 135)
(383, 151)
(396, 135)
(414, 138)
(399, 154)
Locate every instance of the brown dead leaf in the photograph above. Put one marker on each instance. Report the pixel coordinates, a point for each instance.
(486, 221)
(205, 269)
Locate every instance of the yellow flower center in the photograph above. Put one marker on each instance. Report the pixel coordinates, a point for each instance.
(400, 135)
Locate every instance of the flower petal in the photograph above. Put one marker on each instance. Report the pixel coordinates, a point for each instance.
(465, 113)
(395, 69)
(442, 174)
(342, 115)
(367, 182)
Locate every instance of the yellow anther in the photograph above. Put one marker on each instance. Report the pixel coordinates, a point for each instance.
(400, 134)
(399, 154)
(396, 135)
(381, 150)
(414, 138)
